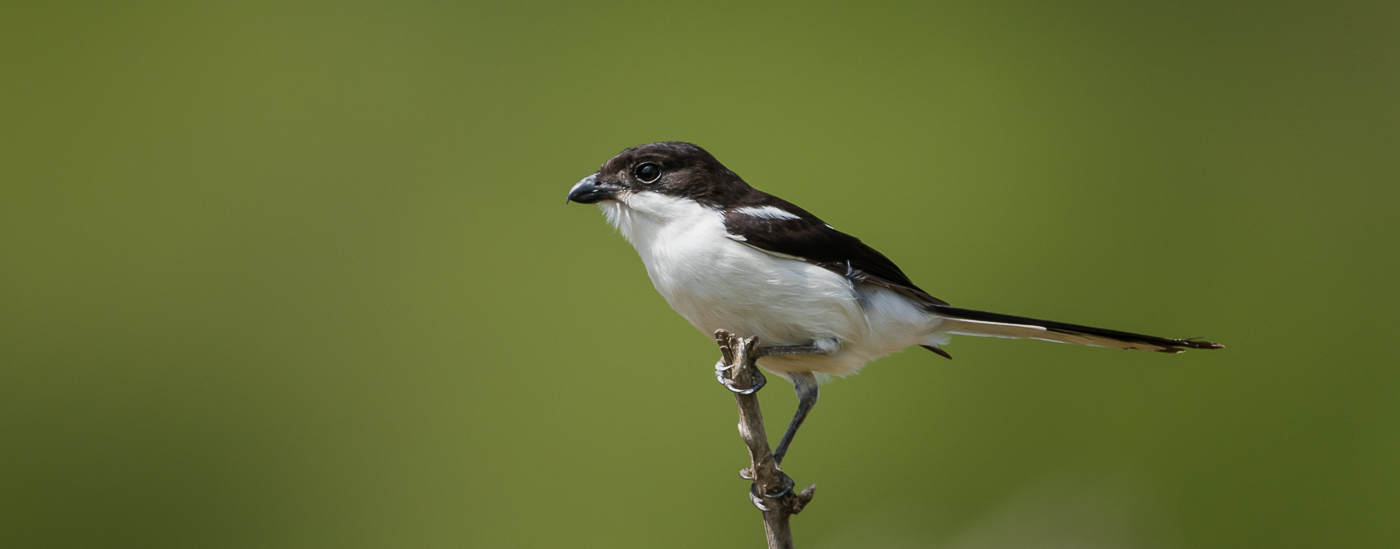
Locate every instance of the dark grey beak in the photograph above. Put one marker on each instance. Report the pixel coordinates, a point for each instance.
(589, 191)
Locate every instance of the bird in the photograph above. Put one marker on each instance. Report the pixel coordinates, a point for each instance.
(726, 255)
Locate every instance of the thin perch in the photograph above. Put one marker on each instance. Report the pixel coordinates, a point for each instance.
(772, 490)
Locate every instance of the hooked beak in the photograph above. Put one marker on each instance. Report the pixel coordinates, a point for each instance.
(588, 191)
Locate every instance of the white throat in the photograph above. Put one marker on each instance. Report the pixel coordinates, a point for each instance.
(647, 218)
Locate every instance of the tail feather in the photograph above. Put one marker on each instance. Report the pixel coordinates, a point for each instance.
(982, 323)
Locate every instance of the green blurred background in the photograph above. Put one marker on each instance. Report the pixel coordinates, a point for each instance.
(298, 274)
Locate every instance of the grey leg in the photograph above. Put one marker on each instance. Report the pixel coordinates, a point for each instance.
(821, 346)
(806, 386)
(804, 383)
(789, 350)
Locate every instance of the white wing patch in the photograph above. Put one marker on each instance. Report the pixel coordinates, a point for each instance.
(739, 238)
(766, 212)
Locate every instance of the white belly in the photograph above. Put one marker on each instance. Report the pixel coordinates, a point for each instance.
(715, 282)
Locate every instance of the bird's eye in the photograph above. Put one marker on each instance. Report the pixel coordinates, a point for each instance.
(647, 172)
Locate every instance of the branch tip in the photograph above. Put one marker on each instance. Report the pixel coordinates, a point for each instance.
(772, 489)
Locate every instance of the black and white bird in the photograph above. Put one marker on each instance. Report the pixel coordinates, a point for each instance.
(728, 256)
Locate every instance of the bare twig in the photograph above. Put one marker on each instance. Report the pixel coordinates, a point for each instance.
(772, 489)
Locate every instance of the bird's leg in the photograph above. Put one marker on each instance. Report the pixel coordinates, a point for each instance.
(806, 386)
(824, 346)
(804, 383)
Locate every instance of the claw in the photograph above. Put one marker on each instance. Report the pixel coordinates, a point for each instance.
(720, 369)
(757, 501)
(758, 379)
(758, 382)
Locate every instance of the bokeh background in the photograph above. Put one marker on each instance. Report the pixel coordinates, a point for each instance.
(300, 274)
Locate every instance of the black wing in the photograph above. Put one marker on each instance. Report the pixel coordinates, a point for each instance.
(774, 225)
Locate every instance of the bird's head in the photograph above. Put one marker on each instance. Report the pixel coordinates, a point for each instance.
(670, 168)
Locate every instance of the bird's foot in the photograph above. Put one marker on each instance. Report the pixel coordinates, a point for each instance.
(784, 489)
(759, 380)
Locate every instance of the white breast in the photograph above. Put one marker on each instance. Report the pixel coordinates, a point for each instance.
(716, 282)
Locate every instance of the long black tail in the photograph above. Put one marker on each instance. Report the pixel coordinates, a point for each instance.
(982, 323)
